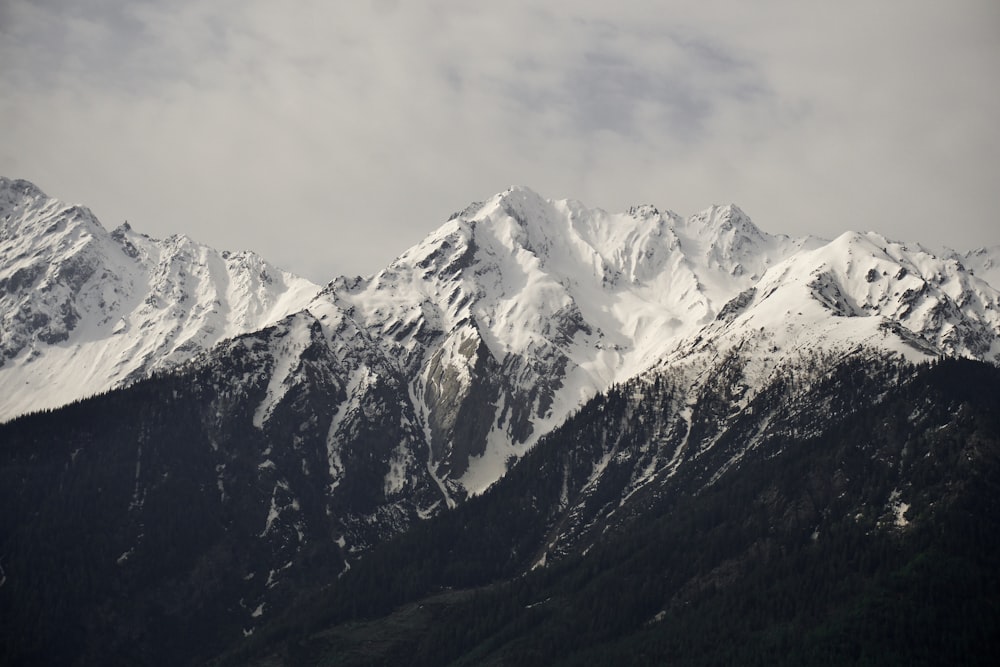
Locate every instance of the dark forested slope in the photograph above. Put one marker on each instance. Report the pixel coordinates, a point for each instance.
(865, 529)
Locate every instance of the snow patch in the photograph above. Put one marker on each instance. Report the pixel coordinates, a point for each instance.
(296, 336)
(354, 392)
(899, 509)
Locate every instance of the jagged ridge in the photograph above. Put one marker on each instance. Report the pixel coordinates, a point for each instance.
(83, 310)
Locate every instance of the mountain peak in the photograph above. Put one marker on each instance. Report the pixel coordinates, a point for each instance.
(522, 203)
(643, 211)
(20, 188)
(519, 191)
(118, 304)
(721, 219)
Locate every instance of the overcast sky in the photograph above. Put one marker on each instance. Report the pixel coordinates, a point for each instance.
(331, 136)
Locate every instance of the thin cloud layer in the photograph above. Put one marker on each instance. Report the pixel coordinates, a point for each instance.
(330, 136)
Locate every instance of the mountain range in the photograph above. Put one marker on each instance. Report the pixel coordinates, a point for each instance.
(552, 373)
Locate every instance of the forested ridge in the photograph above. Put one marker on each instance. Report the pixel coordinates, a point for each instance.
(793, 557)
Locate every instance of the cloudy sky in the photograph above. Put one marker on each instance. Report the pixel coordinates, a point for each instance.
(330, 136)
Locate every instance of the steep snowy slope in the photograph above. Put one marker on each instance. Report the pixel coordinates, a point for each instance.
(83, 310)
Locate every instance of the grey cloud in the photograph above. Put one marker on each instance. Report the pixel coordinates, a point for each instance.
(333, 135)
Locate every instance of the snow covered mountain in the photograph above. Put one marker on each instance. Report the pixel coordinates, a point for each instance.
(83, 309)
(509, 316)
(518, 309)
(305, 428)
(430, 378)
(857, 291)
